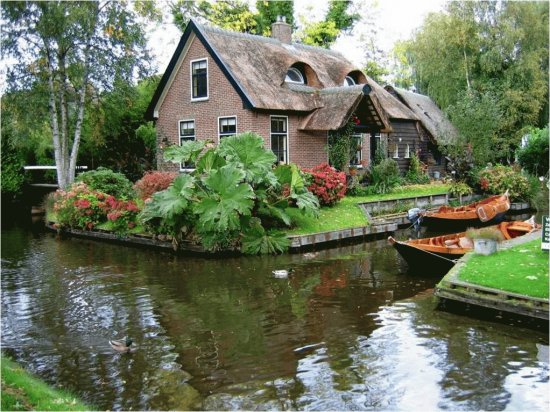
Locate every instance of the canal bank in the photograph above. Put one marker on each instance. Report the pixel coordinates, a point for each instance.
(485, 294)
(380, 216)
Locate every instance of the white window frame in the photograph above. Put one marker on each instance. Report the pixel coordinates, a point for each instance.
(348, 81)
(183, 168)
(297, 73)
(358, 153)
(220, 135)
(199, 99)
(287, 140)
(396, 151)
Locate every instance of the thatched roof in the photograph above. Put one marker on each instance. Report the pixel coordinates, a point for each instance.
(338, 103)
(256, 67)
(432, 117)
(260, 65)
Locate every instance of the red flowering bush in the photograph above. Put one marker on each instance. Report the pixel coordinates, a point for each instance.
(152, 182)
(83, 208)
(328, 184)
(122, 214)
(80, 207)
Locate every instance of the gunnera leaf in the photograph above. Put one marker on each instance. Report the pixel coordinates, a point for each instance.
(227, 198)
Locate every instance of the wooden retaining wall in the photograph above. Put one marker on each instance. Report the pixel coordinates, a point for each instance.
(454, 289)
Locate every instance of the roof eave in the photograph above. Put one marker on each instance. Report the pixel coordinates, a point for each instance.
(152, 111)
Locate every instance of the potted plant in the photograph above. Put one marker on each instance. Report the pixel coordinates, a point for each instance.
(485, 239)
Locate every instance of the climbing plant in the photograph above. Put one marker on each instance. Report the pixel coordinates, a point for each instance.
(341, 145)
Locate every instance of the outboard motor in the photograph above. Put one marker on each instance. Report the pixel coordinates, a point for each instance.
(415, 217)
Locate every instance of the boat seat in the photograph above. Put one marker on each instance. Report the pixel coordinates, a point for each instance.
(465, 243)
(519, 228)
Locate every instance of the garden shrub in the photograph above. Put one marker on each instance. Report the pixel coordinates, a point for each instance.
(83, 208)
(415, 174)
(152, 182)
(326, 183)
(534, 157)
(109, 182)
(80, 207)
(384, 176)
(499, 178)
(459, 188)
(122, 214)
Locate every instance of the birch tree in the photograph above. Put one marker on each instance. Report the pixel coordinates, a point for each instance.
(77, 49)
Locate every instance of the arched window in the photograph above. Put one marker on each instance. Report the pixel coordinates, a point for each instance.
(348, 81)
(293, 75)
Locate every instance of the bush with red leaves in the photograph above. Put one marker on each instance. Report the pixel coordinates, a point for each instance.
(328, 184)
(152, 182)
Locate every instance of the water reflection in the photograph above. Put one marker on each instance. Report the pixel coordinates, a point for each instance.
(347, 329)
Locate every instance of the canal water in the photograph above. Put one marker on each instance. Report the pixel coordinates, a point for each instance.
(347, 329)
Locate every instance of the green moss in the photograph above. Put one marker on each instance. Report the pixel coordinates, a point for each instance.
(23, 392)
(521, 269)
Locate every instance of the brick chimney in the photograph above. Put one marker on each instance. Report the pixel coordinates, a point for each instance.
(281, 30)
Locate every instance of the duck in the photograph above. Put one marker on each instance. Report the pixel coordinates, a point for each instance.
(121, 345)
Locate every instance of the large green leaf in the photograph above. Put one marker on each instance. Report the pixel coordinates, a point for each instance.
(248, 151)
(307, 202)
(187, 152)
(171, 202)
(209, 161)
(276, 211)
(290, 175)
(227, 198)
(256, 240)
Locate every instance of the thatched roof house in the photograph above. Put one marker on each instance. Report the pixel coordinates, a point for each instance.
(220, 82)
(430, 115)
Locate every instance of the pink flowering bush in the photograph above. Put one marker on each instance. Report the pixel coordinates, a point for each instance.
(122, 214)
(152, 182)
(80, 207)
(328, 184)
(83, 208)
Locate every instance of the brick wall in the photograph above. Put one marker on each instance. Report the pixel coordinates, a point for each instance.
(306, 149)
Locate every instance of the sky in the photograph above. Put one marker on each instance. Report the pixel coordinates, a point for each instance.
(396, 21)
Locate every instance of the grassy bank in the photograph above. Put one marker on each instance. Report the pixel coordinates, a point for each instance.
(520, 269)
(24, 392)
(346, 213)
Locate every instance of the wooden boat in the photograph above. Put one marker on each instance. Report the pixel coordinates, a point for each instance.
(484, 212)
(438, 254)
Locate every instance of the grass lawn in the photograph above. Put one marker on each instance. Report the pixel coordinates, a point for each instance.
(521, 269)
(23, 392)
(346, 214)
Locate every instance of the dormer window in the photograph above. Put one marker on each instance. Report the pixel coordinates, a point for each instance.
(348, 81)
(293, 75)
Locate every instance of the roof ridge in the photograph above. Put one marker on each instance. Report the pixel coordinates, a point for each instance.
(250, 36)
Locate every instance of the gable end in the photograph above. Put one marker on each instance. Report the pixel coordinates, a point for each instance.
(175, 62)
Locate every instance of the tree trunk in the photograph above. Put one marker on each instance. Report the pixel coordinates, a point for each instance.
(57, 144)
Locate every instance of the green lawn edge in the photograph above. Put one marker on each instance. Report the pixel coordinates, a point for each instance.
(347, 213)
(521, 269)
(22, 391)
(343, 215)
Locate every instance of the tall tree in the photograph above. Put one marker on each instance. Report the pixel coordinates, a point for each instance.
(477, 52)
(337, 20)
(268, 11)
(234, 15)
(74, 48)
